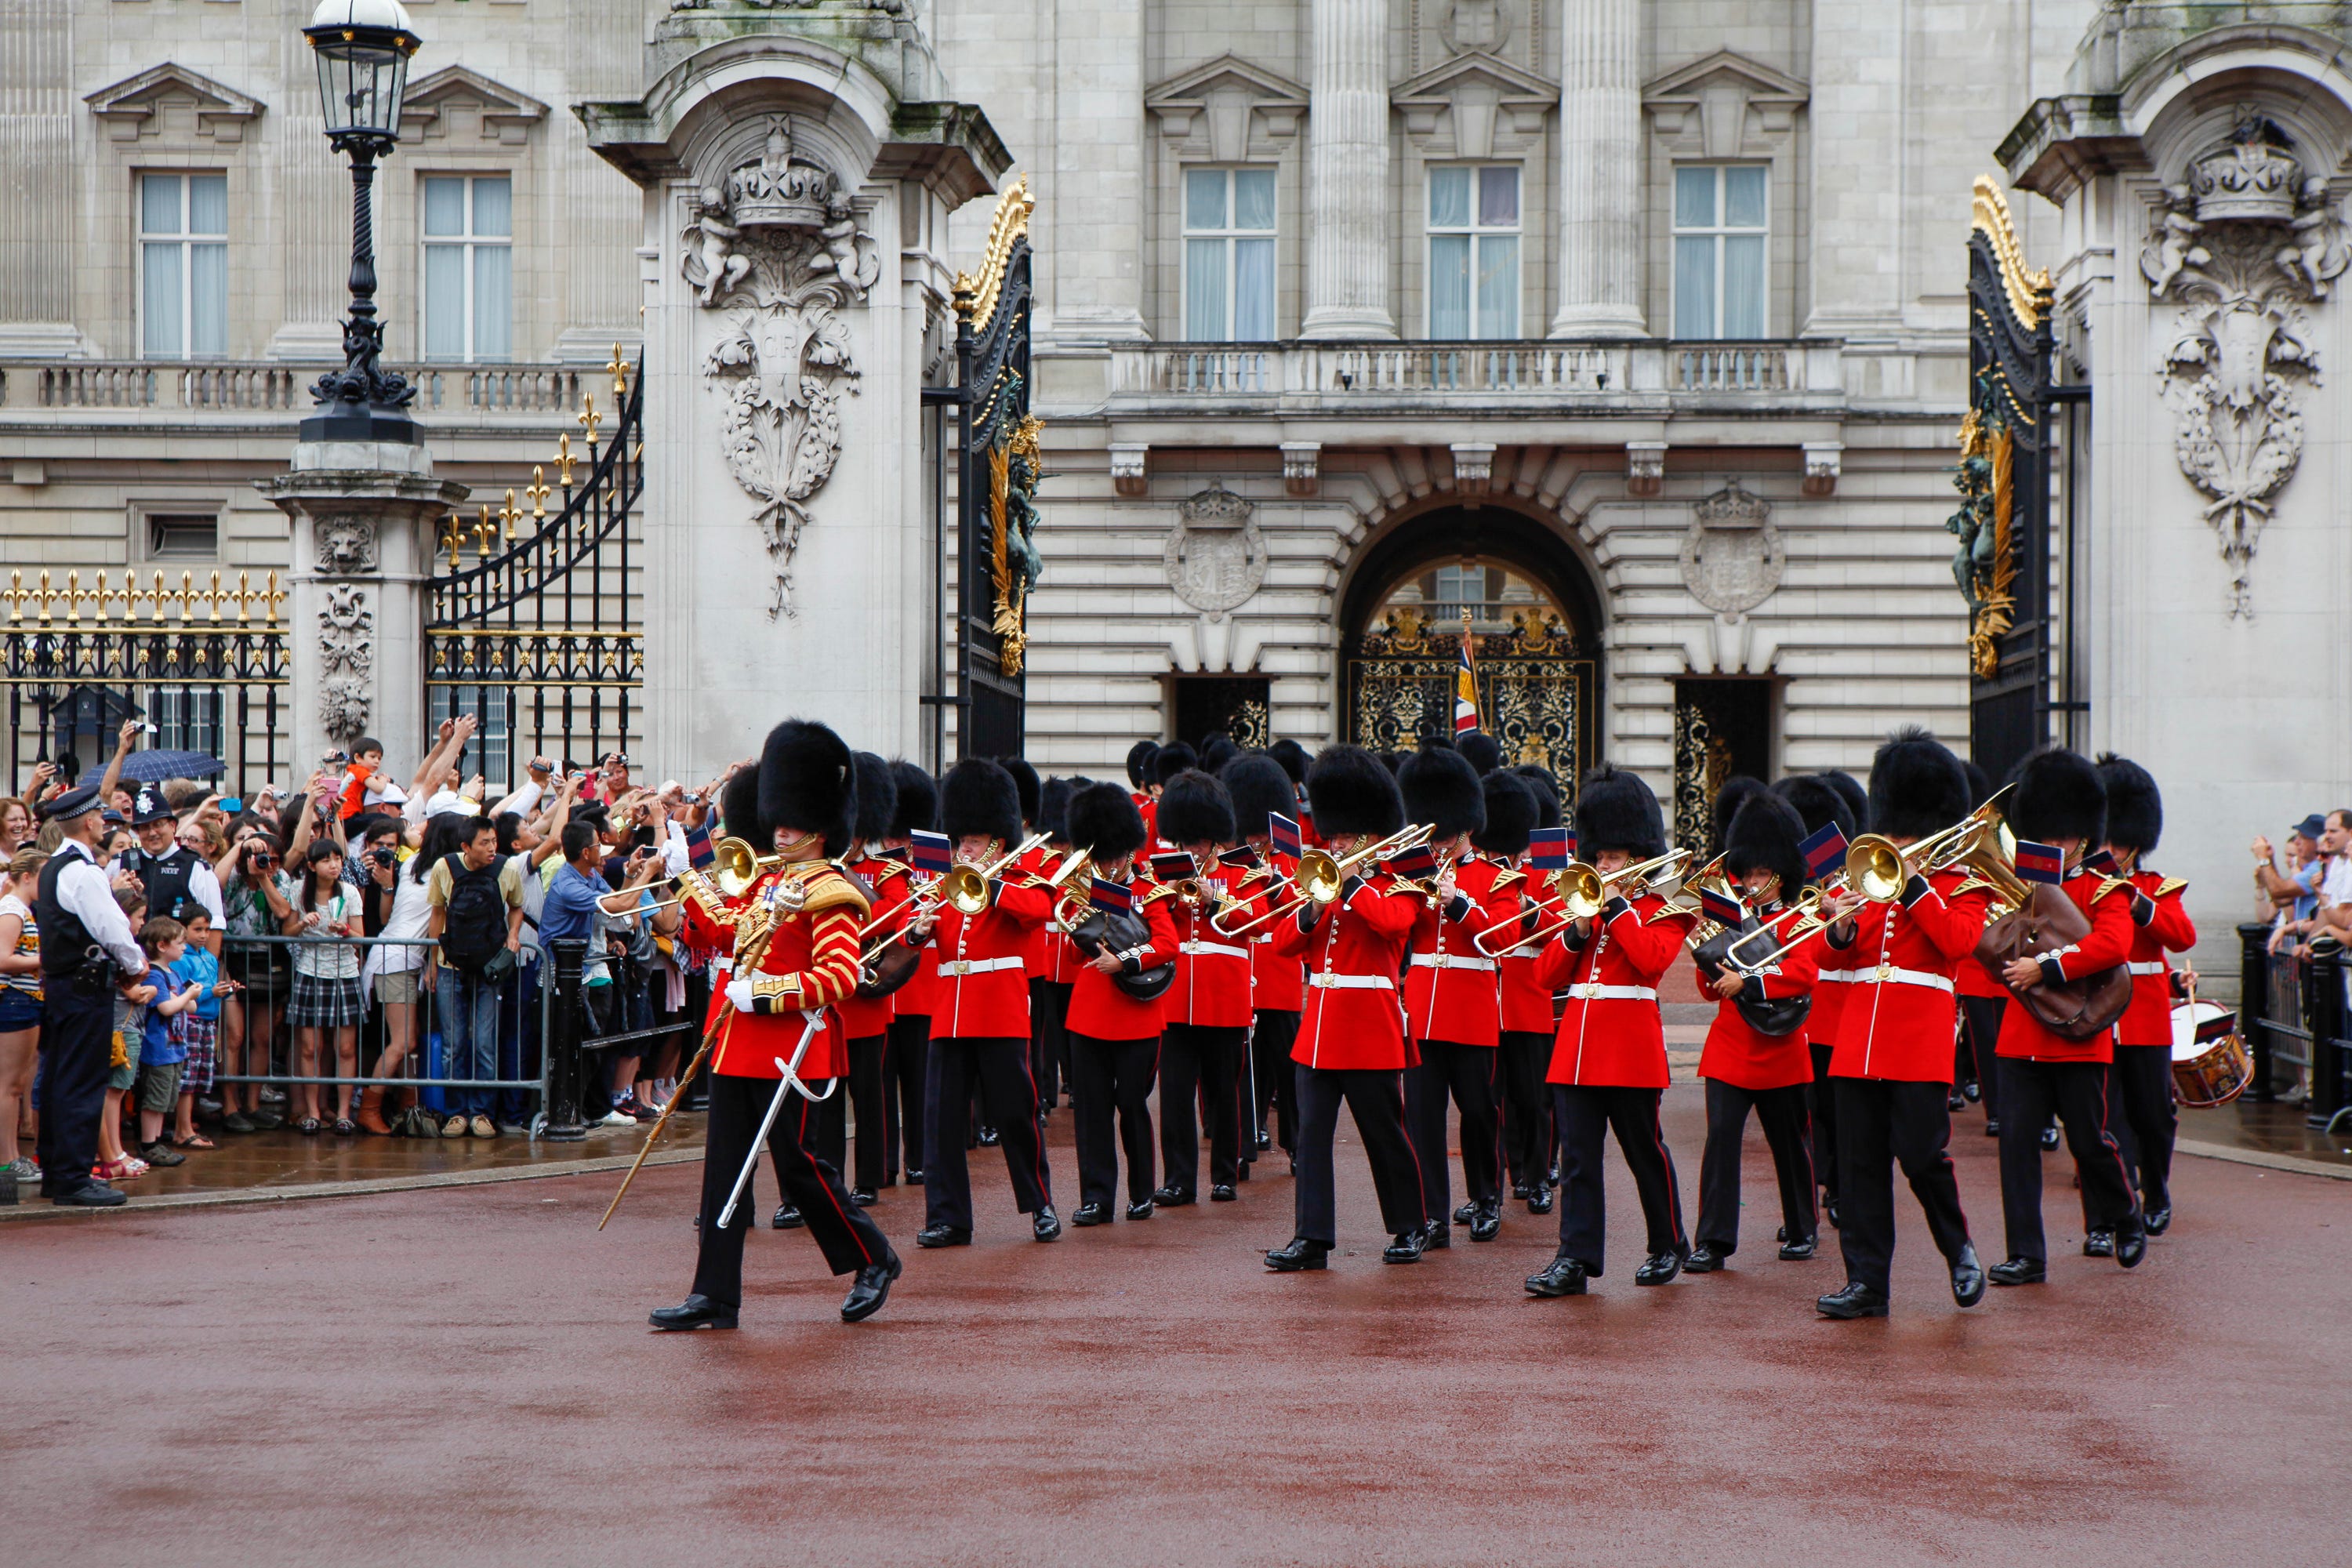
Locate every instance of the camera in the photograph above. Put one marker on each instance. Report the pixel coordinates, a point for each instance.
(385, 857)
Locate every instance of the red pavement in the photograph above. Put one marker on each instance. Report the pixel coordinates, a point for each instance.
(462, 1375)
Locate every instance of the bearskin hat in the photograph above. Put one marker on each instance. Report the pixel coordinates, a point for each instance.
(1138, 763)
(1353, 793)
(1026, 783)
(1980, 783)
(1258, 787)
(1103, 821)
(1735, 794)
(1485, 752)
(2060, 794)
(1763, 835)
(1917, 785)
(1511, 814)
(2134, 806)
(1539, 779)
(1818, 802)
(1170, 761)
(1615, 810)
(1441, 787)
(739, 810)
(1217, 749)
(1194, 808)
(1394, 762)
(806, 783)
(1292, 758)
(979, 798)
(1052, 809)
(1856, 798)
(918, 801)
(877, 796)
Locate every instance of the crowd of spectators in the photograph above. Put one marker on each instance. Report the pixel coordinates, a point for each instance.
(2310, 896)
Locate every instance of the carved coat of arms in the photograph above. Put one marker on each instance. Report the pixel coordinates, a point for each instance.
(1732, 557)
(1215, 555)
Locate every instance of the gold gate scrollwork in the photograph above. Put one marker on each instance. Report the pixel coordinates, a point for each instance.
(1534, 688)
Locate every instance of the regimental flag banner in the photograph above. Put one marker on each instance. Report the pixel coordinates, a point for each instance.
(933, 852)
(1240, 858)
(1413, 865)
(1551, 848)
(1824, 851)
(1282, 835)
(1724, 908)
(2041, 862)
(1177, 867)
(699, 853)
(2101, 863)
(2221, 1026)
(1465, 687)
(1112, 897)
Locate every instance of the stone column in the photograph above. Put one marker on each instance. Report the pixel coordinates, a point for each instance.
(1859, 205)
(364, 517)
(1600, 170)
(1088, 255)
(1348, 239)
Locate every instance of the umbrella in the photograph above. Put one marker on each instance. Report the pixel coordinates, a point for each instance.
(154, 767)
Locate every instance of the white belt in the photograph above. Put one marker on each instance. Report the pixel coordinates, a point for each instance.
(1841, 976)
(2156, 967)
(1531, 949)
(956, 968)
(1264, 937)
(1451, 960)
(1224, 950)
(1055, 925)
(1889, 974)
(1590, 992)
(1351, 982)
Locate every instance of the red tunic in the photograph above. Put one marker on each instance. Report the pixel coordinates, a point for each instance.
(2149, 1020)
(818, 943)
(1351, 1020)
(2108, 943)
(1037, 959)
(1213, 970)
(864, 1017)
(1899, 1014)
(983, 983)
(913, 1000)
(1098, 1008)
(1527, 1001)
(1613, 1034)
(1278, 980)
(1739, 1054)
(1450, 985)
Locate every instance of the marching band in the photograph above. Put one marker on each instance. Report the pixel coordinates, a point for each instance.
(1256, 933)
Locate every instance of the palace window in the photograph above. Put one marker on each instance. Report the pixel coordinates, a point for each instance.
(182, 536)
(183, 266)
(468, 267)
(1229, 256)
(188, 718)
(1721, 222)
(491, 751)
(1474, 252)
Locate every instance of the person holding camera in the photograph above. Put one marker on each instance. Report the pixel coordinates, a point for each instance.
(258, 896)
(396, 910)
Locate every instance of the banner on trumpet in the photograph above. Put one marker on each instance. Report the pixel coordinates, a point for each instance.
(2044, 863)
(1824, 851)
(1551, 848)
(930, 852)
(1282, 833)
(1112, 897)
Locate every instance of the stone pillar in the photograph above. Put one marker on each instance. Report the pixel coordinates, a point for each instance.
(1860, 229)
(1088, 267)
(364, 516)
(1348, 237)
(1600, 170)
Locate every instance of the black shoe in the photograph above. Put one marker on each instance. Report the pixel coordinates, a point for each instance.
(914, 1177)
(2049, 1137)
(1265, 1140)
(989, 1138)
(1241, 1167)
(1992, 1126)
(1435, 1233)
(2131, 1245)
(786, 1217)
(1173, 1198)
(1551, 1177)
(1086, 1215)
(1968, 1276)
(2099, 1243)
(2159, 1220)
(872, 1288)
(1830, 1212)
(865, 1197)
(1047, 1225)
(1561, 1276)
(1955, 1100)
(2017, 1271)
(1406, 1247)
(92, 1195)
(1299, 1256)
(1139, 1211)
(1797, 1251)
(1539, 1200)
(943, 1235)
(695, 1312)
(1658, 1268)
(1486, 1223)
(1222, 1194)
(1854, 1301)
(1972, 1091)
(1704, 1259)
(1464, 1213)
(1520, 1191)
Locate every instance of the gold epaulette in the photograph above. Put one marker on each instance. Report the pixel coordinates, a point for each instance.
(1507, 878)
(1975, 884)
(2113, 885)
(2169, 885)
(828, 887)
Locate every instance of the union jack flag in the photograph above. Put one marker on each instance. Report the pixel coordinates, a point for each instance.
(933, 853)
(1113, 898)
(2041, 862)
(1823, 851)
(1465, 687)
(1282, 833)
(1551, 848)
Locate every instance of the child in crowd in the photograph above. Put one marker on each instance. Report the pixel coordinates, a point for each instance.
(130, 999)
(199, 1028)
(328, 1005)
(162, 1051)
(20, 1003)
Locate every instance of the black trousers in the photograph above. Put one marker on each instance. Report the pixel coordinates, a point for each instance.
(1587, 1113)
(1781, 1113)
(1376, 1100)
(1201, 1062)
(2077, 1091)
(1882, 1123)
(2144, 1119)
(77, 1051)
(842, 1232)
(1824, 1106)
(998, 1070)
(1530, 1139)
(1271, 1041)
(1113, 1078)
(904, 1072)
(1049, 1038)
(828, 1134)
(868, 1092)
(1466, 1074)
(1980, 1027)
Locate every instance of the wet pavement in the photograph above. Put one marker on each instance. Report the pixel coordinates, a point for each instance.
(464, 1375)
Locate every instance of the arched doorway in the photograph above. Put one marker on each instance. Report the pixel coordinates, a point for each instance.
(1534, 622)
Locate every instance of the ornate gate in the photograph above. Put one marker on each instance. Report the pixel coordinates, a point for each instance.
(1534, 688)
(1721, 728)
(537, 633)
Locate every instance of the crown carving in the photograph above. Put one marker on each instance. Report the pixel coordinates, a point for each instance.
(2253, 180)
(775, 192)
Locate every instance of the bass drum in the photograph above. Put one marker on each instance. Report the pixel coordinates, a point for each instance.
(2211, 1073)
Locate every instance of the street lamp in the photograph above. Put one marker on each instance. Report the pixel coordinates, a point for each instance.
(363, 47)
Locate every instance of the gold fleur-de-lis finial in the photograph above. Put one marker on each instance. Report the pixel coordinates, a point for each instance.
(485, 530)
(16, 595)
(589, 419)
(456, 538)
(537, 491)
(620, 369)
(564, 460)
(507, 515)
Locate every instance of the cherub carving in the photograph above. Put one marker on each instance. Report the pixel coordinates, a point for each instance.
(2174, 247)
(712, 263)
(2316, 251)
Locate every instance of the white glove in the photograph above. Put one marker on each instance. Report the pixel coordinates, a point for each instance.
(739, 996)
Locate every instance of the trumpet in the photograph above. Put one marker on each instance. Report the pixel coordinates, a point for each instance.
(1061, 884)
(1584, 891)
(1194, 890)
(966, 887)
(735, 868)
(1319, 876)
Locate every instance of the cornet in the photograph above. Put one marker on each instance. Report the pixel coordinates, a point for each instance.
(735, 867)
(1584, 891)
(1877, 867)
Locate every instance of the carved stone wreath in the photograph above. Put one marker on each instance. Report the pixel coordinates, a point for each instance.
(1732, 558)
(1215, 556)
(346, 544)
(346, 660)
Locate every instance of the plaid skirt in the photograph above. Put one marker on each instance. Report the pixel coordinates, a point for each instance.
(325, 1002)
(202, 1036)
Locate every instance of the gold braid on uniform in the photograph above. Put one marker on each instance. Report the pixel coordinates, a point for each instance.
(835, 909)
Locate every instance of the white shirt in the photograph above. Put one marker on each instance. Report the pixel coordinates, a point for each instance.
(203, 885)
(523, 803)
(83, 890)
(2336, 882)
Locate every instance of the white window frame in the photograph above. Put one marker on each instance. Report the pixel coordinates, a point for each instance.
(189, 718)
(1477, 233)
(184, 241)
(467, 245)
(1230, 235)
(1719, 231)
(495, 707)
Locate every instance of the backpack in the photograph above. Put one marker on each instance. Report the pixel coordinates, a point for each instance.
(473, 925)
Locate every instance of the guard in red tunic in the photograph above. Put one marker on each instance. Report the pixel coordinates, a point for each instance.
(1260, 791)
(1529, 1019)
(1351, 1040)
(2061, 801)
(1207, 1010)
(906, 1066)
(1891, 1066)
(1292, 759)
(1745, 1064)
(980, 1015)
(1114, 1029)
(865, 1021)
(1036, 959)
(806, 912)
(1453, 1008)
(1166, 763)
(1982, 998)
(1609, 1058)
(1055, 970)
(1821, 806)
(1141, 789)
(2143, 1065)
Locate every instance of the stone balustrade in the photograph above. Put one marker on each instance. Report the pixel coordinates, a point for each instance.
(270, 386)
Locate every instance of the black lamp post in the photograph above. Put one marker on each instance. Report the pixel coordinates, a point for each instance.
(363, 48)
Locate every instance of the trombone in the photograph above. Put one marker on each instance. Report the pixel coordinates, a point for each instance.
(966, 887)
(736, 866)
(1877, 867)
(1810, 919)
(1582, 890)
(1319, 876)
